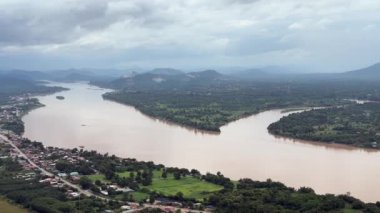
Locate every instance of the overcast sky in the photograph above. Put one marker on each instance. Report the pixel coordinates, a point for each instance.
(319, 35)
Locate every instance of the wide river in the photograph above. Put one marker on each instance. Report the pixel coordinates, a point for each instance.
(243, 149)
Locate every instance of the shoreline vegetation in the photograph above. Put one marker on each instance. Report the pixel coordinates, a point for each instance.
(149, 183)
(203, 112)
(356, 125)
(207, 100)
(168, 122)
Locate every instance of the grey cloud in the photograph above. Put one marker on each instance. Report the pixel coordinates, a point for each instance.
(148, 14)
(75, 32)
(34, 26)
(26, 25)
(242, 1)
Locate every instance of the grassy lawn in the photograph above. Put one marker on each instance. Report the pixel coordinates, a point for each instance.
(100, 177)
(137, 196)
(190, 187)
(9, 208)
(350, 211)
(124, 174)
(140, 196)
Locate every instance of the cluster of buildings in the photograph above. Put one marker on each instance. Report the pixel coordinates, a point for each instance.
(7, 151)
(40, 158)
(11, 152)
(16, 107)
(9, 113)
(46, 158)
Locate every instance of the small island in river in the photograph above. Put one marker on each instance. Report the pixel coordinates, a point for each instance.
(59, 97)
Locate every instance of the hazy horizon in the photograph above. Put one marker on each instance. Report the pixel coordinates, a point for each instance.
(319, 36)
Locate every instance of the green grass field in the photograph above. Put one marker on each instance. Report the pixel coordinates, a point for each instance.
(100, 177)
(137, 196)
(6, 207)
(190, 187)
(140, 196)
(124, 174)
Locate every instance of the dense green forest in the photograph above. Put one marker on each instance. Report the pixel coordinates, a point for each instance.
(356, 124)
(211, 106)
(256, 196)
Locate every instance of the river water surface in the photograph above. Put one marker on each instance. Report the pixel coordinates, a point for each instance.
(243, 149)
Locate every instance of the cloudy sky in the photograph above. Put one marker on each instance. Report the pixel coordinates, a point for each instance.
(320, 35)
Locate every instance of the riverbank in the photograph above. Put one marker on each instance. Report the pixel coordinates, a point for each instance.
(129, 178)
(194, 111)
(244, 148)
(355, 125)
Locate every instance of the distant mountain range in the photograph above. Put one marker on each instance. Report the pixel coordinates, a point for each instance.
(69, 75)
(166, 71)
(165, 78)
(168, 78)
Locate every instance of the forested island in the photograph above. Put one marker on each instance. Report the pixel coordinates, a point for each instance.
(354, 124)
(207, 100)
(210, 107)
(60, 97)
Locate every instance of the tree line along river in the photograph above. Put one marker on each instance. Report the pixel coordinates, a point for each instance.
(244, 148)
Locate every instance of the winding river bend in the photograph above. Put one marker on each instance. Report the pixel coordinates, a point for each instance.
(243, 149)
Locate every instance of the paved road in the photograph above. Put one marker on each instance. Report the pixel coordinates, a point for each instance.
(85, 192)
(43, 171)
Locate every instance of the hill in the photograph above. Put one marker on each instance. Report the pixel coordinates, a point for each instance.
(165, 79)
(68, 75)
(166, 71)
(252, 74)
(14, 86)
(25, 75)
(371, 72)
